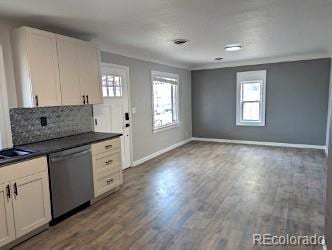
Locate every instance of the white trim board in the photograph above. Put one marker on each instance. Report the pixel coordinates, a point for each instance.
(324, 244)
(160, 152)
(261, 143)
(5, 138)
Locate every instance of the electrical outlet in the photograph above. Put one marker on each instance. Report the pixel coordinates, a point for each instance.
(43, 121)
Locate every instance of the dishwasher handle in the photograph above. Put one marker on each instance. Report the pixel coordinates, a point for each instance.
(55, 158)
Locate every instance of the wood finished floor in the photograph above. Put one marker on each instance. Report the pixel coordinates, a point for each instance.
(202, 196)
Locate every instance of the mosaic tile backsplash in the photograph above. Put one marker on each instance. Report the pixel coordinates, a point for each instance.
(61, 121)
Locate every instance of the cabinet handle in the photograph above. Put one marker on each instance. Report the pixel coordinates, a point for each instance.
(110, 181)
(108, 146)
(15, 189)
(108, 162)
(87, 99)
(8, 191)
(36, 101)
(84, 99)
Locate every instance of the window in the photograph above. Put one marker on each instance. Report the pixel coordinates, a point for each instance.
(5, 132)
(250, 105)
(165, 100)
(112, 85)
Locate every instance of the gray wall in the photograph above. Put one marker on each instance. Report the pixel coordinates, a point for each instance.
(144, 141)
(296, 103)
(62, 121)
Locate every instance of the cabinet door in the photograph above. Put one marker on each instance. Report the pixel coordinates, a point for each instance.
(31, 203)
(7, 233)
(43, 68)
(90, 73)
(69, 70)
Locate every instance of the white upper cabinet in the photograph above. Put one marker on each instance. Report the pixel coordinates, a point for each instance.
(90, 73)
(37, 68)
(54, 70)
(69, 70)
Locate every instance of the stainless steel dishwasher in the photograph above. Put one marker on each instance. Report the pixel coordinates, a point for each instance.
(71, 180)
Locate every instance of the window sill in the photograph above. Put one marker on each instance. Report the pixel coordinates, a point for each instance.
(251, 124)
(166, 128)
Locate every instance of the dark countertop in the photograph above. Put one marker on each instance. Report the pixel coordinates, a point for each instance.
(57, 145)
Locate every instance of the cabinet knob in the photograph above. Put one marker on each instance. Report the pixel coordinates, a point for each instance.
(110, 181)
(36, 101)
(8, 191)
(108, 162)
(108, 146)
(15, 189)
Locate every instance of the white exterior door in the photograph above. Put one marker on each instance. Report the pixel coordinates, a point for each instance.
(31, 203)
(7, 232)
(113, 115)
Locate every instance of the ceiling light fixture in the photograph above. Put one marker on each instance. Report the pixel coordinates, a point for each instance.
(218, 58)
(233, 47)
(180, 41)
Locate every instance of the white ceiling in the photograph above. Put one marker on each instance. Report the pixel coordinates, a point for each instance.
(145, 28)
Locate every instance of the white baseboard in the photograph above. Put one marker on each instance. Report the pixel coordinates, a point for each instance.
(261, 143)
(160, 152)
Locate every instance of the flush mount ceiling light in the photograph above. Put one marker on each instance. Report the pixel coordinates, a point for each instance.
(180, 41)
(233, 47)
(218, 58)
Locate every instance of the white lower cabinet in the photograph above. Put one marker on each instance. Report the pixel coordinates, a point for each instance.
(107, 166)
(7, 231)
(31, 203)
(24, 199)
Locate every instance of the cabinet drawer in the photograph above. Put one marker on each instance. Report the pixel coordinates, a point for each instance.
(112, 161)
(108, 183)
(102, 173)
(106, 146)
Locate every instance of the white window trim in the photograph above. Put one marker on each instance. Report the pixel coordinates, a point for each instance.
(250, 76)
(6, 140)
(177, 122)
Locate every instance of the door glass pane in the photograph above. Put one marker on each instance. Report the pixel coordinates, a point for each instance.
(103, 79)
(117, 81)
(250, 111)
(105, 91)
(118, 91)
(251, 91)
(112, 85)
